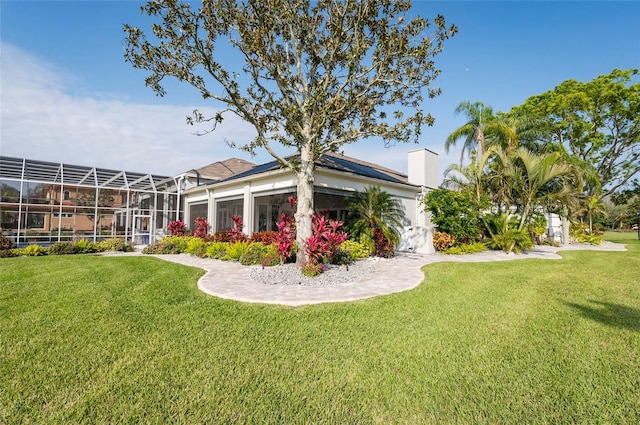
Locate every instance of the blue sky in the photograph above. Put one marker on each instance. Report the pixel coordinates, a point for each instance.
(68, 95)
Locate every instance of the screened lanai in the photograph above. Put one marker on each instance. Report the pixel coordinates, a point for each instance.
(45, 202)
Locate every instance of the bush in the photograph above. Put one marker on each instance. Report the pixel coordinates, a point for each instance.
(471, 248)
(312, 269)
(62, 248)
(258, 253)
(84, 246)
(443, 241)
(221, 236)
(7, 253)
(520, 239)
(266, 237)
(455, 213)
(355, 250)
(177, 228)
(196, 246)
(5, 242)
(115, 244)
(235, 250)
(32, 251)
(216, 250)
(154, 248)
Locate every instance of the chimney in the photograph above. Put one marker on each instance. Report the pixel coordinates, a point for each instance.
(423, 168)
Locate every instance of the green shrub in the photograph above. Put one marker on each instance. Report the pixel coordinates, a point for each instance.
(115, 244)
(258, 253)
(235, 250)
(84, 246)
(469, 248)
(176, 244)
(196, 246)
(356, 250)
(519, 239)
(62, 248)
(32, 251)
(216, 250)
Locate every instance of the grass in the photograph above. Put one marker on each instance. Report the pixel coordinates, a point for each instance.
(88, 339)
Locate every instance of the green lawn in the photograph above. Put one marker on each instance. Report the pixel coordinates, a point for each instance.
(88, 339)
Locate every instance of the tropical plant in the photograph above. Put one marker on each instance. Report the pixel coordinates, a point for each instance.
(61, 248)
(592, 206)
(202, 227)
(235, 250)
(376, 215)
(355, 249)
(443, 241)
(455, 213)
(216, 250)
(315, 75)
(481, 122)
(177, 228)
(506, 234)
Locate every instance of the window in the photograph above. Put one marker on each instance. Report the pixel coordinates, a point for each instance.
(225, 210)
(195, 211)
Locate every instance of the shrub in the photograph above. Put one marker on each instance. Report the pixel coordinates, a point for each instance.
(32, 251)
(235, 250)
(355, 249)
(443, 240)
(216, 250)
(62, 248)
(455, 213)
(258, 253)
(285, 240)
(471, 248)
(266, 237)
(7, 253)
(513, 239)
(196, 246)
(177, 228)
(115, 244)
(175, 244)
(382, 245)
(236, 234)
(222, 236)
(154, 248)
(84, 246)
(5, 242)
(325, 241)
(312, 269)
(202, 227)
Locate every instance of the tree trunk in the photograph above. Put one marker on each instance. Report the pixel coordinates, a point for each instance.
(480, 140)
(565, 230)
(305, 208)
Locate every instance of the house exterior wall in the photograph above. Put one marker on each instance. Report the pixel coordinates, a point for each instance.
(416, 232)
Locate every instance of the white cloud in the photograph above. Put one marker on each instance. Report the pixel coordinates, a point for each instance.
(40, 119)
(43, 118)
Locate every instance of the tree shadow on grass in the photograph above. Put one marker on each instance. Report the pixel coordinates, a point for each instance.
(616, 315)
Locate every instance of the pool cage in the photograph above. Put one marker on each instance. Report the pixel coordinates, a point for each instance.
(44, 202)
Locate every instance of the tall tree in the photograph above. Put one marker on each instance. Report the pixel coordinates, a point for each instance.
(313, 76)
(597, 122)
(481, 123)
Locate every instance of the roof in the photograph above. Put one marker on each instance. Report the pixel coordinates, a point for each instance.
(224, 169)
(67, 174)
(333, 161)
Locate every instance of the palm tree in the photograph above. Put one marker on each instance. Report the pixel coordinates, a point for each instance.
(374, 210)
(538, 179)
(593, 205)
(481, 123)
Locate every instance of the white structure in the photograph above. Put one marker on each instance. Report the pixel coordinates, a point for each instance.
(261, 193)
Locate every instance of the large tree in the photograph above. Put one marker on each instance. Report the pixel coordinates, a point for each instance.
(312, 76)
(596, 122)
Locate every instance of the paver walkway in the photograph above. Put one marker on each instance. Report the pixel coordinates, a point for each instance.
(230, 280)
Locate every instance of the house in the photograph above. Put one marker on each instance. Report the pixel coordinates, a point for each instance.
(45, 202)
(260, 194)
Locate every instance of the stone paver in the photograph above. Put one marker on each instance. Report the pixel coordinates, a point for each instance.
(230, 280)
